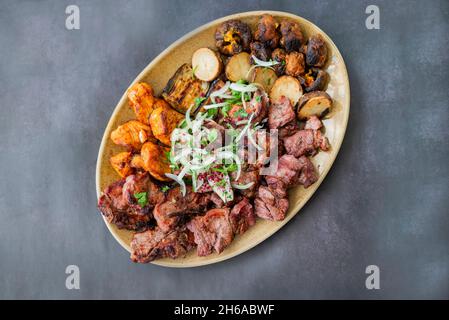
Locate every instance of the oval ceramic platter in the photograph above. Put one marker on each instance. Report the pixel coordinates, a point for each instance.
(159, 71)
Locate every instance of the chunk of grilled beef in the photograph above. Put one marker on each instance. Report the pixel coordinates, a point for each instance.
(305, 142)
(270, 206)
(280, 113)
(154, 244)
(212, 231)
(289, 129)
(177, 208)
(249, 175)
(258, 106)
(313, 123)
(242, 216)
(308, 175)
(119, 205)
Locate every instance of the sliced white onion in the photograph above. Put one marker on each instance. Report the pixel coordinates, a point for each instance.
(253, 142)
(242, 133)
(215, 105)
(179, 181)
(262, 63)
(242, 186)
(221, 91)
(243, 87)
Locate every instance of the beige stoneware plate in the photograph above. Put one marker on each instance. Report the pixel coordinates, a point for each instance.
(158, 72)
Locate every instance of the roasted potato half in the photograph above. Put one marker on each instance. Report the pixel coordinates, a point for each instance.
(163, 121)
(316, 103)
(287, 86)
(121, 163)
(182, 89)
(153, 158)
(207, 64)
(132, 134)
(266, 77)
(141, 100)
(238, 67)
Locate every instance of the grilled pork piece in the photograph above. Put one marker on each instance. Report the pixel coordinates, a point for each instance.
(242, 216)
(270, 206)
(280, 113)
(153, 244)
(305, 142)
(120, 207)
(212, 231)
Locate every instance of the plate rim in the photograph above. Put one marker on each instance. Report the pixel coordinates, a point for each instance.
(173, 263)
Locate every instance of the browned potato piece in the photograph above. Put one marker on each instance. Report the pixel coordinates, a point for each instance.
(131, 134)
(267, 31)
(266, 77)
(292, 37)
(238, 66)
(287, 86)
(316, 54)
(232, 37)
(121, 163)
(141, 100)
(163, 121)
(294, 64)
(207, 64)
(153, 158)
(182, 89)
(279, 55)
(315, 103)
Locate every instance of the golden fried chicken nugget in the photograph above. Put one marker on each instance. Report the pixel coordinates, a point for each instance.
(121, 163)
(141, 100)
(163, 121)
(132, 134)
(153, 158)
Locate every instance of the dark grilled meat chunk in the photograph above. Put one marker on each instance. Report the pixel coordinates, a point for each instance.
(306, 142)
(232, 37)
(292, 38)
(289, 129)
(212, 231)
(279, 55)
(154, 244)
(242, 216)
(250, 175)
(308, 174)
(269, 206)
(280, 113)
(295, 64)
(259, 106)
(316, 54)
(260, 51)
(267, 31)
(313, 123)
(120, 207)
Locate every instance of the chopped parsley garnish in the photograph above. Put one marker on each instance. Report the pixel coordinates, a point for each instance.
(258, 98)
(142, 198)
(198, 101)
(165, 188)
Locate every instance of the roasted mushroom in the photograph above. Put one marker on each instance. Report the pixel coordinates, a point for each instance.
(292, 37)
(314, 79)
(316, 103)
(316, 54)
(131, 134)
(294, 64)
(153, 158)
(121, 163)
(267, 31)
(260, 51)
(279, 55)
(141, 100)
(233, 36)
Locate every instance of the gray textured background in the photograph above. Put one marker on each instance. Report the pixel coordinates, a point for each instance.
(385, 201)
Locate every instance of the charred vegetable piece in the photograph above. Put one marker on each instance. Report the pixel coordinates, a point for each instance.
(292, 37)
(315, 79)
(279, 55)
(259, 50)
(121, 163)
(153, 158)
(286, 86)
(316, 54)
(315, 103)
(294, 64)
(267, 32)
(207, 64)
(131, 134)
(238, 67)
(233, 37)
(163, 121)
(183, 88)
(141, 100)
(265, 77)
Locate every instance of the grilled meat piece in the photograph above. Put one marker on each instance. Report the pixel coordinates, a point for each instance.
(270, 206)
(212, 231)
(267, 31)
(292, 38)
(313, 123)
(305, 142)
(280, 113)
(153, 244)
(308, 174)
(242, 216)
(260, 51)
(295, 64)
(250, 175)
(289, 129)
(279, 55)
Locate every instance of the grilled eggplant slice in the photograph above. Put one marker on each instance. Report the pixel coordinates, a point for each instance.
(182, 89)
